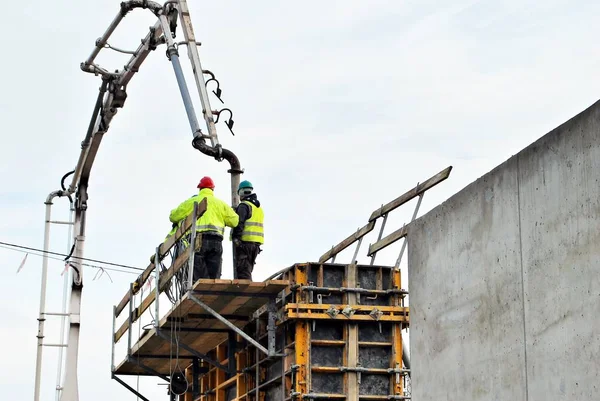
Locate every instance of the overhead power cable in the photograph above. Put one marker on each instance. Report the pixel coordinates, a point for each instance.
(72, 257)
(61, 260)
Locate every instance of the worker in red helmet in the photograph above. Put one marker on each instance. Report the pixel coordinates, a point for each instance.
(218, 214)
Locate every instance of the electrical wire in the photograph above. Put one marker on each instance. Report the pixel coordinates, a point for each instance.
(59, 259)
(177, 286)
(73, 257)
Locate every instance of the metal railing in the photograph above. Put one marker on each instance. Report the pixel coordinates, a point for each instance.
(383, 212)
(162, 279)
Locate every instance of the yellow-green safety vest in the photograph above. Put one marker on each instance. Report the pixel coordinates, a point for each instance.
(218, 214)
(253, 227)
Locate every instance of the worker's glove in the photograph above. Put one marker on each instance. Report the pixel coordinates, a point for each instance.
(136, 287)
(237, 242)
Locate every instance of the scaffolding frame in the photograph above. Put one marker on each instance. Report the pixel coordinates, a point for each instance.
(162, 280)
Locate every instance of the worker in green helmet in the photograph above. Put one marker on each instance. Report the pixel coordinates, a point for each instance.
(248, 236)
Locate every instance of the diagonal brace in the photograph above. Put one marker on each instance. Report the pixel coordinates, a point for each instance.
(192, 351)
(230, 325)
(128, 387)
(148, 369)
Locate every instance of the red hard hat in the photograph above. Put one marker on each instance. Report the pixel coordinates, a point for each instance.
(206, 182)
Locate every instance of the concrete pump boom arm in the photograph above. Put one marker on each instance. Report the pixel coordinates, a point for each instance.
(111, 97)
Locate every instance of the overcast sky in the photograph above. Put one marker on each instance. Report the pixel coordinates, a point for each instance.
(339, 106)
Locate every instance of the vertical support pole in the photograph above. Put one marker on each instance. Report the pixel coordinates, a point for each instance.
(397, 363)
(302, 358)
(352, 346)
(70, 390)
(157, 289)
(195, 378)
(271, 328)
(257, 363)
(41, 316)
(283, 351)
(189, 376)
(130, 320)
(112, 339)
(302, 342)
(231, 345)
(192, 248)
(397, 339)
(63, 319)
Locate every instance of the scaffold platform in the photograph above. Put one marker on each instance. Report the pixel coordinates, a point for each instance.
(189, 329)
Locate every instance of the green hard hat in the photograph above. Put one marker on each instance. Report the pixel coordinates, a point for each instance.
(245, 184)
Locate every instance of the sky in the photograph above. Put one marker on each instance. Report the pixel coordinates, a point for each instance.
(339, 107)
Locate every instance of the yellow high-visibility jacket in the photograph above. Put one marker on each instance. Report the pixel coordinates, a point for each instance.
(218, 214)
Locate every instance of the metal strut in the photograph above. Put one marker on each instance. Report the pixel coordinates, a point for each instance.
(271, 340)
(128, 387)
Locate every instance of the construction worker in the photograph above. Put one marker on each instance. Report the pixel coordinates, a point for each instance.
(218, 214)
(248, 236)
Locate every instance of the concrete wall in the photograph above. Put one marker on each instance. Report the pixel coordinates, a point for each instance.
(505, 278)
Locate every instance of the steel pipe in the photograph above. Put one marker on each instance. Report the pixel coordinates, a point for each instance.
(41, 316)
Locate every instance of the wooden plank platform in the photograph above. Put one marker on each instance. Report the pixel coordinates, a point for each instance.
(236, 300)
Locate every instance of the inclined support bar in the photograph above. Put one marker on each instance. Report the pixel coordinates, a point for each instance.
(229, 324)
(148, 369)
(85, 145)
(128, 387)
(173, 55)
(414, 216)
(385, 216)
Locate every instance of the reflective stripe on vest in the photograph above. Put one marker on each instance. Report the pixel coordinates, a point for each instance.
(210, 227)
(253, 227)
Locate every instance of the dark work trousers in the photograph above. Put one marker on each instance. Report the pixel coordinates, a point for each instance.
(245, 258)
(207, 261)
